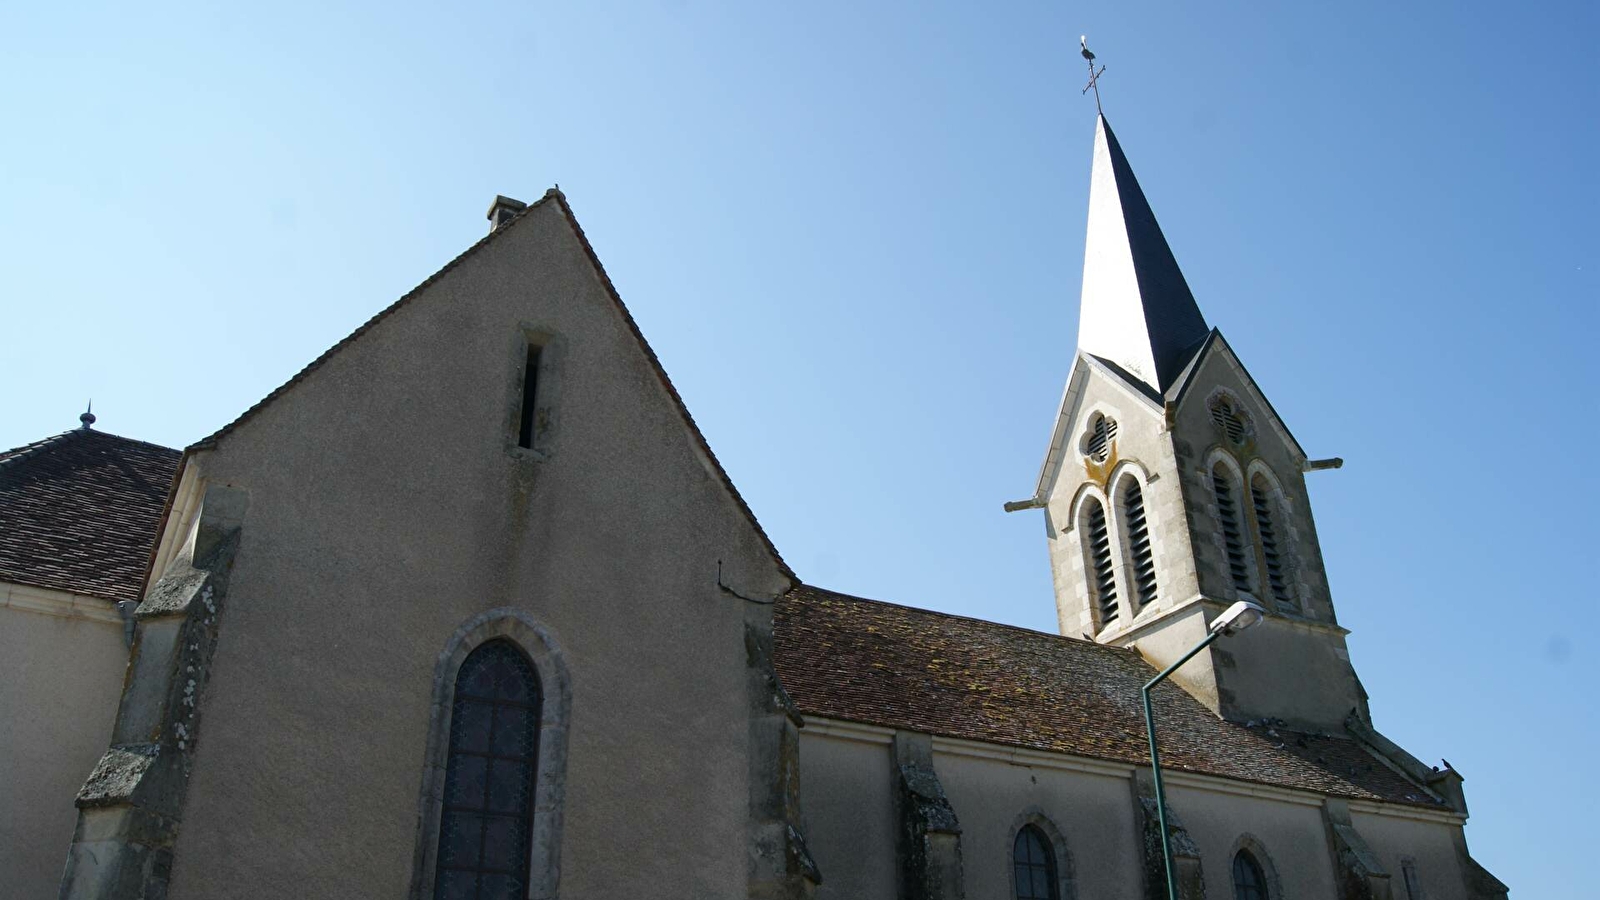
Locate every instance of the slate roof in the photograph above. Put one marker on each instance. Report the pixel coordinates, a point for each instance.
(844, 657)
(78, 512)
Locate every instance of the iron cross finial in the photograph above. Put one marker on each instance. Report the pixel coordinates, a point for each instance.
(1094, 77)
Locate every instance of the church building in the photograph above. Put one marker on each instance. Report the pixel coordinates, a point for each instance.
(469, 610)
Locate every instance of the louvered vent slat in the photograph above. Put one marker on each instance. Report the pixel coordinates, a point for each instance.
(1104, 580)
(1144, 565)
(1228, 419)
(1267, 528)
(1232, 535)
(1101, 432)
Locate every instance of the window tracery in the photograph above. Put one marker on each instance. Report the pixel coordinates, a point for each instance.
(1225, 414)
(1097, 439)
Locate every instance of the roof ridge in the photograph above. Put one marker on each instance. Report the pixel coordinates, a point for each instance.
(17, 455)
(949, 615)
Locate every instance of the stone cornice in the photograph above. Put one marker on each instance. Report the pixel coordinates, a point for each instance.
(63, 604)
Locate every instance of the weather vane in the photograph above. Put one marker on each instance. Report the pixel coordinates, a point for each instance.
(1094, 77)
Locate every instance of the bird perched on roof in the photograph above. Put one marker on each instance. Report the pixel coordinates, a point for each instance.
(1083, 41)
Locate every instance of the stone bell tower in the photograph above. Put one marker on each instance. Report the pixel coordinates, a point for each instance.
(1172, 489)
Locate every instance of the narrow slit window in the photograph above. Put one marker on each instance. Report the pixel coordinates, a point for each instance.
(530, 399)
(1232, 534)
(1103, 580)
(1271, 542)
(1138, 537)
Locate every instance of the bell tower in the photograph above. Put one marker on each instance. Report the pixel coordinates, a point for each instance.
(1171, 488)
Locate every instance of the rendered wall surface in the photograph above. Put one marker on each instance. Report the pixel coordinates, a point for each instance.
(1093, 813)
(847, 793)
(57, 703)
(847, 784)
(387, 507)
(1431, 849)
(1288, 840)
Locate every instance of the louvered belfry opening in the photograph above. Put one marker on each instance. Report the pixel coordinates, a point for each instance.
(1143, 561)
(1232, 534)
(1101, 432)
(1271, 546)
(1103, 579)
(1225, 417)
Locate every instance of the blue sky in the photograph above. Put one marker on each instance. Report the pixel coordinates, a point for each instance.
(853, 233)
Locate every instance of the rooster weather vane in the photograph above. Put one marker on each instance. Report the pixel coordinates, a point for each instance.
(1094, 77)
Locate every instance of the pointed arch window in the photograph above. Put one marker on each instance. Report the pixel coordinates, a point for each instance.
(1136, 537)
(1274, 548)
(1034, 865)
(486, 826)
(1249, 882)
(1102, 574)
(1223, 486)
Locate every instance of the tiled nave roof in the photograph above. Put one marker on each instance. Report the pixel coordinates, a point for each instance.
(848, 658)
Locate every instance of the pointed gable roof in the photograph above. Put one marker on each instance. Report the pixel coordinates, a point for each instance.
(78, 512)
(1136, 310)
(556, 197)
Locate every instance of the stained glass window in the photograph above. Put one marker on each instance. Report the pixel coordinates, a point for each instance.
(486, 828)
(1035, 865)
(1248, 882)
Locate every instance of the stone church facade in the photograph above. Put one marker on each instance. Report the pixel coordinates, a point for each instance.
(468, 608)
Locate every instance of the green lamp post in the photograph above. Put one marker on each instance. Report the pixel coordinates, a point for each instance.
(1235, 619)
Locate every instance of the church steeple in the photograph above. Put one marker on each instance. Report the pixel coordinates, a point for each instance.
(1171, 487)
(1136, 311)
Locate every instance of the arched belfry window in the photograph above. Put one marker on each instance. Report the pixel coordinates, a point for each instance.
(1034, 865)
(1136, 537)
(1249, 882)
(486, 827)
(1225, 487)
(1101, 571)
(1274, 547)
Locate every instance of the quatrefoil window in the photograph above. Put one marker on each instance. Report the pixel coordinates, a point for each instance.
(1097, 439)
(1229, 420)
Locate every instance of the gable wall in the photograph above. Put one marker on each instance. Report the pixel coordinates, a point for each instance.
(1295, 665)
(1142, 442)
(386, 509)
(1197, 438)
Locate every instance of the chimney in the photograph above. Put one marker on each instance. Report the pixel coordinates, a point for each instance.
(503, 209)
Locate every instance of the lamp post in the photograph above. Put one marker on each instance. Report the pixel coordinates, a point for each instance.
(1235, 619)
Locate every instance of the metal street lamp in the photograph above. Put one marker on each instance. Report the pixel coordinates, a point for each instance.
(1235, 619)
